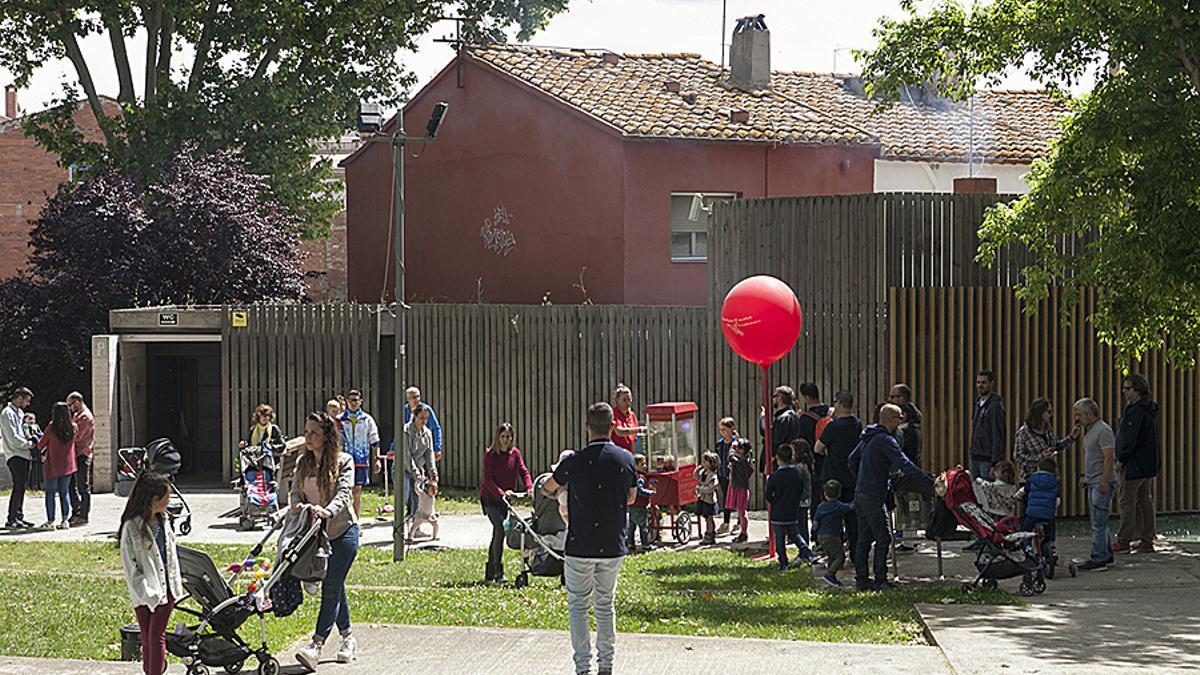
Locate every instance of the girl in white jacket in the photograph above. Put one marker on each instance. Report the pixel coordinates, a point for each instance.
(151, 565)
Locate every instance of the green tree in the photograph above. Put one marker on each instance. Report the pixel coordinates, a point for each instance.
(1123, 180)
(264, 77)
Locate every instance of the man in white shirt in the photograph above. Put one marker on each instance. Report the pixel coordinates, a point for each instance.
(17, 450)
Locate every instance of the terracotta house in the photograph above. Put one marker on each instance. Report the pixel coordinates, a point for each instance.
(569, 176)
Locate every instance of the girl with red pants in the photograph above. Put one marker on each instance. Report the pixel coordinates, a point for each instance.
(151, 565)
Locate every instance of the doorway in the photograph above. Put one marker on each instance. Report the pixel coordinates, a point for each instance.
(183, 403)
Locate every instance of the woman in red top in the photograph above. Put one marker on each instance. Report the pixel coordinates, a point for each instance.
(502, 466)
(58, 446)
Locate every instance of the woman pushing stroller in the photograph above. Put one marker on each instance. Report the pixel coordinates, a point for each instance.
(325, 480)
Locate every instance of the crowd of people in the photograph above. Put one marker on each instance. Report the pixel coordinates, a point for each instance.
(831, 486)
(58, 458)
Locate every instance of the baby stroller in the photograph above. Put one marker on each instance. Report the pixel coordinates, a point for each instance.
(258, 489)
(215, 641)
(541, 554)
(162, 457)
(1004, 552)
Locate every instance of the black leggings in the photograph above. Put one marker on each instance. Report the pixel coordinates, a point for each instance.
(724, 482)
(496, 513)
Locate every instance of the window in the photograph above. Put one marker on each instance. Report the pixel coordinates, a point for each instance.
(689, 238)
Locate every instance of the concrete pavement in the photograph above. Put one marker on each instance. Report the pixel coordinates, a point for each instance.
(430, 650)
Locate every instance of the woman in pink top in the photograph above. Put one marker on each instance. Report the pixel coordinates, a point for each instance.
(58, 446)
(502, 466)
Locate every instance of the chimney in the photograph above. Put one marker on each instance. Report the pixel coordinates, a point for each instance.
(739, 116)
(611, 59)
(750, 54)
(975, 185)
(10, 102)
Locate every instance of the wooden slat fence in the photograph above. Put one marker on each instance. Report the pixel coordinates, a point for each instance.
(294, 357)
(942, 336)
(539, 367)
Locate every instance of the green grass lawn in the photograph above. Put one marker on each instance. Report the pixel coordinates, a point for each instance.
(455, 501)
(68, 599)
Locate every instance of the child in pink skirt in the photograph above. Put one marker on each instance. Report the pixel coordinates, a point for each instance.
(741, 469)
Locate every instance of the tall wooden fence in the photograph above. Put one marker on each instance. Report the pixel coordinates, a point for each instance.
(942, 336)
(539, 367)
(294, 357)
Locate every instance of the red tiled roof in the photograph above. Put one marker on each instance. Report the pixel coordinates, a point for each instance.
(684, 96)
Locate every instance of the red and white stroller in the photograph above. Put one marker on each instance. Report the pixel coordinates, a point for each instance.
(1004, 552)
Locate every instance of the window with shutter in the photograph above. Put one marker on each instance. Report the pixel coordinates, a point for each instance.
(689, 238)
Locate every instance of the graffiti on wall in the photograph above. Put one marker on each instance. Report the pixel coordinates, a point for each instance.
(496, 235)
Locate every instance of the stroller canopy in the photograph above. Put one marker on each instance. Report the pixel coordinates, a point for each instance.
(163, 457)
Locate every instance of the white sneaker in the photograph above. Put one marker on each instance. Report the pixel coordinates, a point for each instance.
(310, 656)
(46, 526)
(64, 525)
(723, 529)
(345, 652)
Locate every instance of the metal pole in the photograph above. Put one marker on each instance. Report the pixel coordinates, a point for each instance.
(398, 466)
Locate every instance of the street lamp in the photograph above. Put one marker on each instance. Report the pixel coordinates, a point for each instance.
(370, 121)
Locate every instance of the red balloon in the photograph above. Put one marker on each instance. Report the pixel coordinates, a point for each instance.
(761, 319)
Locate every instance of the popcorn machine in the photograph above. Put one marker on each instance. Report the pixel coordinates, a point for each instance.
(671, 443)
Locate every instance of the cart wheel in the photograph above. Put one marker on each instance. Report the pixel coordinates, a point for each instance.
(522, 580)
(235, 667)
(991, 584)
(681, 528)
(268, 667)
(185, 528)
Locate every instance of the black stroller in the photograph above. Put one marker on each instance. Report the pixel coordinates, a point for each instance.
(541, 554)
(162, 457)
(215, 642)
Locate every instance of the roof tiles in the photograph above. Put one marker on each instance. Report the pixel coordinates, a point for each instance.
(633, 95)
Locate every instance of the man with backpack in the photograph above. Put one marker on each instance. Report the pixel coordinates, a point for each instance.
(836, 442)
(813, 420)
(785, 424)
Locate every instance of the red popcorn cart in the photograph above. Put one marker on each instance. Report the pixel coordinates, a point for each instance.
(671, 442)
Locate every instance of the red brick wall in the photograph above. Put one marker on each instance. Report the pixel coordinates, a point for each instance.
(325, 264)
(28, 176)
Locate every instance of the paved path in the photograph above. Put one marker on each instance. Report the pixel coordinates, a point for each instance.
(470, 651)
(1142, 614)
(456, 531)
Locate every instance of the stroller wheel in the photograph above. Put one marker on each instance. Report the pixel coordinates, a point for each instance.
(522, 580)
(1039, 586)
(185, 528)
(991, 584)
(968, 587)
(1026, 589)
(234, 667)
(268, 667)
(245, 523)
(198, 669)
(1071, 569)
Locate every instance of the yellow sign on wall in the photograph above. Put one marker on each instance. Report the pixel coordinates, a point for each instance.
(239, 319)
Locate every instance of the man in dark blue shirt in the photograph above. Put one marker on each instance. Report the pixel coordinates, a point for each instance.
(603, 481)
(836, 443)
(877, 455)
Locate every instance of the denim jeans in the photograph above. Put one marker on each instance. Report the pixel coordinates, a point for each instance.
(1099, 505)
(58, 487)
(19, 468)
(785, 532)
(334, 606)
(591, 580)
(496, 513)
(981, 468)
(872, 529)
(81, 486)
